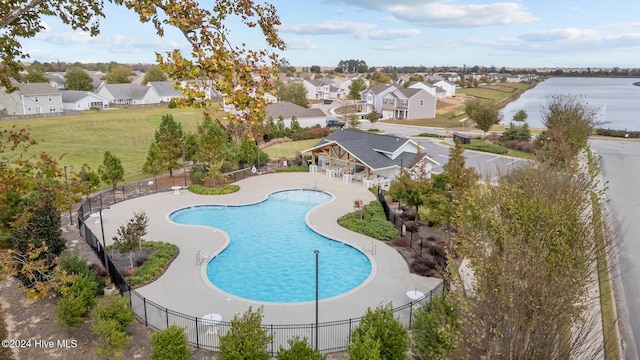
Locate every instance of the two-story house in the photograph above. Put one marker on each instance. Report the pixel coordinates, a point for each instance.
(408, 103)
(317, 89)
(372, 97)
(128, 94)
(29, 99)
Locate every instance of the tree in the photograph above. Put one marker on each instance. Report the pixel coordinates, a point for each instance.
(571, 119)
(246, 339)
(388, 332)
(130, 237)
(484, 115)
(315, 69)
(520, 116)
(213, 146)
(533, 228)
(169, 138)
(295, 93)
(154, 164)
(111, 170)
(436, 329)
(77, 301)
(357, 86)
(89, 178)
(78, 79)
(373, 117)
(170, 344)
(299, 349)
(410, 190)
(35, 76)
(118, 75)
(154, 73)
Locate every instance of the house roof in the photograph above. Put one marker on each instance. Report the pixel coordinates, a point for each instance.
(288, 110)
(370, 148)
(164, 88)
(377, 89)
(127, 91)
(35, 88)
(71, 96)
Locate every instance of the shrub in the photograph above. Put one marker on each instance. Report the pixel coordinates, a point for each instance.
(435, 330)
(311, 133)
(372, 223)
(225, 189)
(301, 168)
(514, 132)
(379, 326)
(116, 309)
(111, 340)
(77, 301)
(170, 344)
(486, 147)
(431, 135)
(526, 146)
(299, 349)
(246, 339)
(75, 265)
(161, 257)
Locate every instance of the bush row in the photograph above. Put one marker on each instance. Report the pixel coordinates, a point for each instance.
(371, 222)
(486, 147)
(163, 254)
(202, 190)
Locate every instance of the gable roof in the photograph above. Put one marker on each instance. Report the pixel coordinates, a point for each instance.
(288, 110)
(377, 89)
(71, 96)
(369, 148)
(164, 88)
(127, 91)
(35, 88)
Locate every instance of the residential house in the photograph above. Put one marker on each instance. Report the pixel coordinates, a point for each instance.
(372, 97)
(447, 86)
(56, 80)
(317, 89)
(165, 90)
(128, 94)
(408, 103)
(305, 117)
(436, 91)
(372, 158)
(83, 100)
(29, 99)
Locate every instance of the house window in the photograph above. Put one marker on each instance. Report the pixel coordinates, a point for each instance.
(405, 102)
(52, 108)
(421, 102)
(35, 98)
(50, 98)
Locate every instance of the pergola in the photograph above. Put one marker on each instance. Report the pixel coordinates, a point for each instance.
(337, 154)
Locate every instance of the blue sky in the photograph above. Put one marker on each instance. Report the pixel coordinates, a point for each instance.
(526, 33)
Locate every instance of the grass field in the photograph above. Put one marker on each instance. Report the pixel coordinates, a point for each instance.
(289, 149)
(82, 139)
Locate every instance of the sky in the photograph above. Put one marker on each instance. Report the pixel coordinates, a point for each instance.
(520, 34)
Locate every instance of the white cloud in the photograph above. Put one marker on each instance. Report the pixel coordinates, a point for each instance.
(440, 13)
(393, 34)
(301, 44)
(566, 34)
(327, 27)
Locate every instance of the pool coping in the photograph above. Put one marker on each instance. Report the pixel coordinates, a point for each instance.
(179, 290)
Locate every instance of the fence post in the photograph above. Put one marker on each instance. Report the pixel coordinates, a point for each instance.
(144, 303)
(273, 338)
(166, 314)
(197, 334)
(101, 206)
(410, 314)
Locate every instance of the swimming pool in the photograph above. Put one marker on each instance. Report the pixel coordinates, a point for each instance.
(270, 256)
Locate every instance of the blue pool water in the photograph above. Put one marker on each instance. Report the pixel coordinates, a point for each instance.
(271, 256)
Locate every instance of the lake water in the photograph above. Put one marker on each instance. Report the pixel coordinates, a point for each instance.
(617, 100)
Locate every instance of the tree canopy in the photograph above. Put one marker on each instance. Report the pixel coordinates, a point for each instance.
(295, 93)
(154, 73)
(118, 75)
(78, 79)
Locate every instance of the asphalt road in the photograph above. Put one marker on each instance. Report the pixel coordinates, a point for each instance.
(620, 167)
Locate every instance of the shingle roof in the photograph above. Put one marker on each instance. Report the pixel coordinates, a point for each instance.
(36, 88)
(370, 148)
(288, 109)
(127, 91)
(71, 96)
(379, 88)
(164, 88)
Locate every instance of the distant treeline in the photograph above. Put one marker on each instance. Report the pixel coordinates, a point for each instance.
(604, 73)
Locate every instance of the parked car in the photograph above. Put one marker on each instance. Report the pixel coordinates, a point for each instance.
(328, 101)
(335, 123)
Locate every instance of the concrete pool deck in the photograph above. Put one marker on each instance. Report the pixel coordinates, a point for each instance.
(183, 287)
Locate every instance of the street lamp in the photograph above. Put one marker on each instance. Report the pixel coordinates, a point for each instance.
(184, 165)
(104, 243)
(66, 179)
(317, 252)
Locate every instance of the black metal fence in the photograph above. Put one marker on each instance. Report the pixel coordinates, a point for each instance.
(333, 336)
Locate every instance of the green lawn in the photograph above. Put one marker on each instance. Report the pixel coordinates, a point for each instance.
(289, 149)
(125, 132)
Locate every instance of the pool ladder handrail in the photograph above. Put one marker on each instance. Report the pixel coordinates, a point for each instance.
(201, 257)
